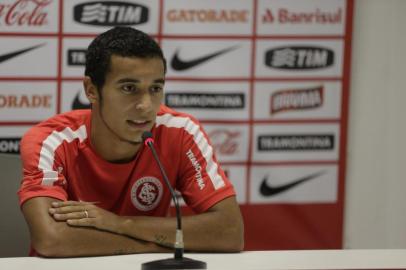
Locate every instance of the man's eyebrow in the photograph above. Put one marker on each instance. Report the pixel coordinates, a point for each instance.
(128, 80)
(159, 81)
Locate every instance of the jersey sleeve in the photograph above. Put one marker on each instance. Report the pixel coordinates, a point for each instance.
(41, 167)
(202, 182)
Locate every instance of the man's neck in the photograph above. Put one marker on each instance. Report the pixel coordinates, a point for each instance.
(109, 146)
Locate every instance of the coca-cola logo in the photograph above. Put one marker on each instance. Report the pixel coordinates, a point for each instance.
(24, 13)
(225, 142)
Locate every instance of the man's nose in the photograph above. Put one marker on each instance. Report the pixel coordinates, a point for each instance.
(144, 103)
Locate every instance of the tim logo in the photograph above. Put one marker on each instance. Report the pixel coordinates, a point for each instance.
(297, 99)
(110, 13)
(299, 58)
(10, 145)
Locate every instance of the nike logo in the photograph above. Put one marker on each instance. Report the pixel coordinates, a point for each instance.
(78, 105)
(8, 56)
(179, 64)
(267, 190)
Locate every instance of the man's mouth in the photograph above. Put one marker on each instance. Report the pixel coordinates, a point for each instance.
(138, 123)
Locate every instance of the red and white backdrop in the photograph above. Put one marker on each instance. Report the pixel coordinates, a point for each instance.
(269, 80)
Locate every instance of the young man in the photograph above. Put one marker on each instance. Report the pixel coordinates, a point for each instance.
(90, 186)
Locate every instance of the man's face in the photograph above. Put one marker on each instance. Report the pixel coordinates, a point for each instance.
(131, 96)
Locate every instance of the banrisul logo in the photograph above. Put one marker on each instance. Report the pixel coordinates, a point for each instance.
(110, 13)
(299, 57)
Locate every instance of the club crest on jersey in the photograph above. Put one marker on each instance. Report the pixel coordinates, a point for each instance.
(146, 193)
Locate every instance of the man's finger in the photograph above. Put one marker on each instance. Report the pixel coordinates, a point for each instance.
(66, 203)
(71, 203)
(74, 215)
(66, 209)
(85, 222)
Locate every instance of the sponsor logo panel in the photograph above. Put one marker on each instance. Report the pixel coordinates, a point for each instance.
(207, 58)
(302, 58)
(299, 142)
(297, 100)
(294, 184)
(23, 56)
(221, 101)
(290, 17)
(96, 16)
(201, 17)
(73, 97)
(299, 58)
(230, 142)
(206, 100)
(31, 16)
(74, 56)
(237, 176)
(27, 101)
(295, 142)
(10, 138)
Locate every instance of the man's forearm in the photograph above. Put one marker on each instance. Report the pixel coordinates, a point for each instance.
(218, 229)
(52, 238)
(75, 241)
(210, 231)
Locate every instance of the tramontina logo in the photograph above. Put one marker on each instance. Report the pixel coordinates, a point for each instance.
(110, 13)
(296, 142)
(76, 57)
(299, 57)
(10, 145)
(205, 100)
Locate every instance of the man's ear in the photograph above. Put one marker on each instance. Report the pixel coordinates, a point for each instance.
(90, 90)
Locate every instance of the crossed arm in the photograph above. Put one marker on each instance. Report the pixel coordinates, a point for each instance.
(62, 229)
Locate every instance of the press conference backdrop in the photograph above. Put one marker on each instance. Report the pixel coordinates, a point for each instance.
(268, 79)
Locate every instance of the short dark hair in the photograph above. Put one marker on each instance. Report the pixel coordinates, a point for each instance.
(121, 41)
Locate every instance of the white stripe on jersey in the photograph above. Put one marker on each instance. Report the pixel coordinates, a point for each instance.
(49, 146)
(205, 148)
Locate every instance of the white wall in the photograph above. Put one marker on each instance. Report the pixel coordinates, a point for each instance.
(376, 171)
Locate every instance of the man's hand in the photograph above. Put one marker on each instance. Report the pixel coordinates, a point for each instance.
(84, 214)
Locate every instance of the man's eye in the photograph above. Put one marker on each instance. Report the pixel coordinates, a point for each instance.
(156, 89)
(128, 89)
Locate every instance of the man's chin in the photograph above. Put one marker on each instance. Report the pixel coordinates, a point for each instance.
(135, 137)
(134, 142)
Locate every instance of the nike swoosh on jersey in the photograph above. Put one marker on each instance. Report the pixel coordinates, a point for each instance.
(180, 64)
(8, 56)
(78, 105)
(267, 190)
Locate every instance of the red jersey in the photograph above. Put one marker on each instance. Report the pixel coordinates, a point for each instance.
(59, 162)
